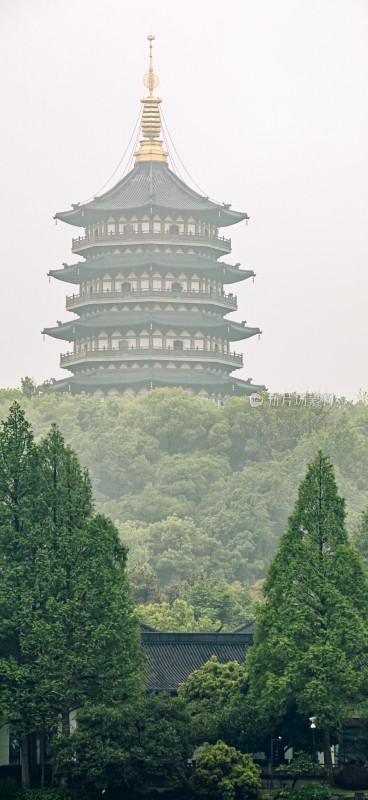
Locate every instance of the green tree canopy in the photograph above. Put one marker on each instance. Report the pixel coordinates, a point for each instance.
(213, 696)
(141, 747)
(311, 638)
(224, 773)
(68, 631)
(178, 616)
(231, 604)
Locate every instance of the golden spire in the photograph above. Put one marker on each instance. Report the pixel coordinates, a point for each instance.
(151, 148)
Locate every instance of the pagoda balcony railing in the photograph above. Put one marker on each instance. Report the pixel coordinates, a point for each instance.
(234, 360)
(83, 242)
(77, 300)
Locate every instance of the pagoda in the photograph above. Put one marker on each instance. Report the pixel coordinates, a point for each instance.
(150, 303)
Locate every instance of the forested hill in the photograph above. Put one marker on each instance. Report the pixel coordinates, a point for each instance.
(201, 489)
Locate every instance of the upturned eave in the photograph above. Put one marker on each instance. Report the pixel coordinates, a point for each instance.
(151, 186)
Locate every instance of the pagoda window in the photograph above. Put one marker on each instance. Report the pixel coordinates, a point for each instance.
(157, 283)
(144, 340)
(178, 344)
(106, 286)
(126, 286)
(130, 228)
(111, 228)
(145, 227)
(194, 286)
(174, 228)
(124, 344)
(103, 342)
(144, 283)
(199, 344)
(157, 340)
(191, 228)
(157, 227)
(115, 341)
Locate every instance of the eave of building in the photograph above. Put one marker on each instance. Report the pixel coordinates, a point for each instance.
(172, 657)
(154, 187)
(178, 262)
(157, 377)
(123, 321)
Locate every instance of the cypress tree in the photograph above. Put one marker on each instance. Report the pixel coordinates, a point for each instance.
(68, 634)
(19, 541)
(311, 638)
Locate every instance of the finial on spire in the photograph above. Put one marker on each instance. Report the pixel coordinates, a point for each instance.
(150, 80)
(151, 148)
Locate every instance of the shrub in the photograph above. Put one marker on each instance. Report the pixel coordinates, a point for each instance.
(223, 773)
(311, 791)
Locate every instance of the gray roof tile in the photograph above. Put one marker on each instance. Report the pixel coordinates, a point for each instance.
(152, 184)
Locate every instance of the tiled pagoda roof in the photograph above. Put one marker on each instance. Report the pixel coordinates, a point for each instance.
(178, 262)
(177, 320)
(156, 377)
(153, 185)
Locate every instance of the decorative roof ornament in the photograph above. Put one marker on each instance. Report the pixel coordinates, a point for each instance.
(150, 80)
(151, 148)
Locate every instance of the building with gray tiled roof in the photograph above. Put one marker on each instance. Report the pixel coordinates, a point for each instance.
(172, 657)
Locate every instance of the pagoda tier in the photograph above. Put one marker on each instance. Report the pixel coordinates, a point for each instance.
(151, 307)
(149, 262)
(151, 183)
(202, 382)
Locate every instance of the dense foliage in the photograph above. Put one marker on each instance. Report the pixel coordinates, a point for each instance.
(216, 699)
(69, 637)
(224, 773)
(200, 490)
(311, 637)
(142, 746)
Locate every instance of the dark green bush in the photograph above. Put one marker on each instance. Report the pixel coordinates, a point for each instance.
(311, 791)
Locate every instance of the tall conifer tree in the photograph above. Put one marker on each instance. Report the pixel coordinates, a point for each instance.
(68, 634)
(311, 638)
(19, 542)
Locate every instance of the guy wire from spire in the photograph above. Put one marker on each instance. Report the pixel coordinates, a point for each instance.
(133, 151)
(166, 130)
(170, 154)
(137, 124)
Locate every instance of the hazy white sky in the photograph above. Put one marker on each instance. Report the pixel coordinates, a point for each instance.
(267, 104)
